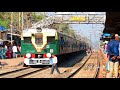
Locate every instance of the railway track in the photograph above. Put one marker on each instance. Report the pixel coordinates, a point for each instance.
(87, 65)
(20, 73)
(98, 67)
(102, 71)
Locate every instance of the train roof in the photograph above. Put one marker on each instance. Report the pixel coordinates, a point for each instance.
(35, 30)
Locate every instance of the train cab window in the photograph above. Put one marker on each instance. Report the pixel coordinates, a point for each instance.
(50, 39)
(27, 39)
(38, 38)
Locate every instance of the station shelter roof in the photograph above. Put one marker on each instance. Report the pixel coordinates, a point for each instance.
(106, 34)
(2, 28)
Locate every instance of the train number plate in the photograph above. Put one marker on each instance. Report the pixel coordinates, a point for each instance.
(39, 61)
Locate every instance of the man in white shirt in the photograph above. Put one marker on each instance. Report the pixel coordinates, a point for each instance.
(14, 48)
(54, 63)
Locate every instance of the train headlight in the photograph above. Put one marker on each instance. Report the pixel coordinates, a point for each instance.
(28, 55)
(48, 55)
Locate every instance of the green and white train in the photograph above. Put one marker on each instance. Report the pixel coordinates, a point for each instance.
(36, 43)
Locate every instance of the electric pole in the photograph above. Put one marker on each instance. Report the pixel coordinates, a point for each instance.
(11, 25)
(22, 24)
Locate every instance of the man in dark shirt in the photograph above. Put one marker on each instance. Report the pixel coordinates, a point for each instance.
(62, 42)
(3, 53)
(113, 53)
(117, 39)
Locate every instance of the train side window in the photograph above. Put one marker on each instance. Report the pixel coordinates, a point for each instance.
(27, 39)
(50, 39)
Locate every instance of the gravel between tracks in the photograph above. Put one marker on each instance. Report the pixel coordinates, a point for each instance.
(11, 63)
(89, 69)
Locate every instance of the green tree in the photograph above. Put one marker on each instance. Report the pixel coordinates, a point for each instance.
(5, 19)
(71, 32)
(4, 23)
(36, 17)
(64, 28)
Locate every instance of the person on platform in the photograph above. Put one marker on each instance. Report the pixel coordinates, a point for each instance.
(14, 50)
(3, 52)
(113, 53)
(117, 39)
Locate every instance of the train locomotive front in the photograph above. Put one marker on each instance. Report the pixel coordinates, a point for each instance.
(36, 43)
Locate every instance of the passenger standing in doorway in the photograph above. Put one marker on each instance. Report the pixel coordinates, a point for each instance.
(54, 63)
(62, 42)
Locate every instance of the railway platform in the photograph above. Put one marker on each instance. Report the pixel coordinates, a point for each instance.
(13, 62)
(102, 61)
